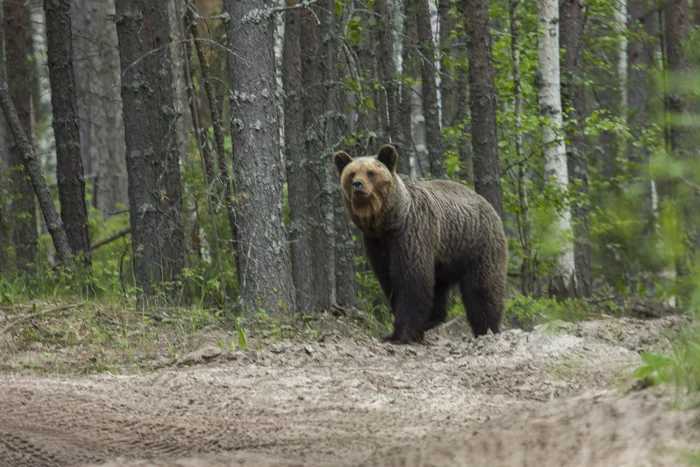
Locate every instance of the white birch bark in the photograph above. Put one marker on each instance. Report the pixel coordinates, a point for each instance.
(622, 64)
(555, 166)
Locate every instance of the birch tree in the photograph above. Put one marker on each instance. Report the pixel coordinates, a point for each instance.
(562, 278)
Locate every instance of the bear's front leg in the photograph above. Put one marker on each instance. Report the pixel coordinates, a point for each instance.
(413, 277)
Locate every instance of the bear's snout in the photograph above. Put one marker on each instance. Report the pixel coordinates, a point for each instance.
(358, 188)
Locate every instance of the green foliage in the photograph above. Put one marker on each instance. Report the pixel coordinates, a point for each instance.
(679, 366)
(526, 312)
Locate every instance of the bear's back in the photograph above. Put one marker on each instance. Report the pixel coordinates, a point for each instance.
(466, 222)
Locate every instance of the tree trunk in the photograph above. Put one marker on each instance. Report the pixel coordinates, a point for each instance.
(345, 292)
(677, 32)
(389, 66)
(465, 154)
(574, 101)
(66, 127)
(96, 70)
(298, 175)
(622, 73)
(323, 186)
(265, 277)
(482, 92)
(155, 193)
(448, 83)
(431, 111)
(33, 168)
(6, 261)
(408, 60)
(526, 271)
(23, 208)
(562, 279)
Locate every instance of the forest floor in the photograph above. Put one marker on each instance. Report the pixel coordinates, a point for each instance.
(562, 394)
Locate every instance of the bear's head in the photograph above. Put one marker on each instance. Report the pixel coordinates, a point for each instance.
(368, 183)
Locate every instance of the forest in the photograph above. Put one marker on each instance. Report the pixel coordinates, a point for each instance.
(180, 176)
(170, 163)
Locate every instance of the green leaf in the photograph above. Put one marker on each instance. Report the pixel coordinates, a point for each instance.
(369, 103)
(242, 342)
(339, 7)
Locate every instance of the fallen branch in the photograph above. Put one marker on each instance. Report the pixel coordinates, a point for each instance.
(111, 238)
(30, 316)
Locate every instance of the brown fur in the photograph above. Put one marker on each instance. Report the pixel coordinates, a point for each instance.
(421, 239)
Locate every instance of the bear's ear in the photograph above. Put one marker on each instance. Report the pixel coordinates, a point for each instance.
(389, 157)
(340, 160)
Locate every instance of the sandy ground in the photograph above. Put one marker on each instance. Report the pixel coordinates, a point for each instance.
(544, 398)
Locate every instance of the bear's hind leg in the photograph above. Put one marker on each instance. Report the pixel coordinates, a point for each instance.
(484, 307)
(439, 311)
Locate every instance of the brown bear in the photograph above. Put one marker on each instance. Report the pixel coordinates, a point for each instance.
(423, 237)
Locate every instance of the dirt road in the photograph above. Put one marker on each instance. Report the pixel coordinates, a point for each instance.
(539, 399)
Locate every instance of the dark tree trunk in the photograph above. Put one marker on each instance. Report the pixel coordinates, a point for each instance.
(482, 93)
(677, 31)
(370, 118)
(6, 262)
(573, 104)
(155, 193)
(323, 189)
(265, 277)
(408, 59)
(448, 83)
(66, 127)
(345, 291)
(465, 154)
(23, 209)
(386, 60)
(430, 101)
(36, 175)
(680, 104)
(298, 176)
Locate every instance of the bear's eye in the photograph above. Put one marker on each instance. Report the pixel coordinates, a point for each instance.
(352, 175)
(370, 174)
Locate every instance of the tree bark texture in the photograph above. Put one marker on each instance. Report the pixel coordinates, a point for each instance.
(322, 190)
(36, 175)
(23, 209)
(574, 102)
(431, 111)
(386, 61)
(298, 174)
(96, 71)
(448, 81)
(555, 165)
(465, 153)
(66, 127)
(265, 277)
(677, 31)
(408, 60)
(6, 262)
(482, 93)
(345, 290)
(155, 193)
